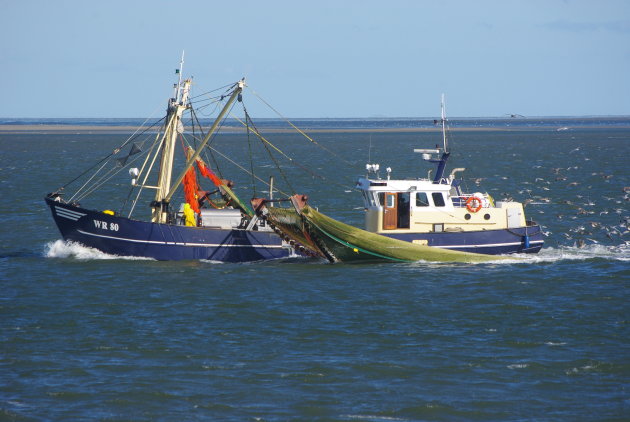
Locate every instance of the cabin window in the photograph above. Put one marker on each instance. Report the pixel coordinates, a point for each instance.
(381, 198)
(421, 199)
(438, 199)
(391, 201)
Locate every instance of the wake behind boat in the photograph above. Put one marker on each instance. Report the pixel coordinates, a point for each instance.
(213, 225)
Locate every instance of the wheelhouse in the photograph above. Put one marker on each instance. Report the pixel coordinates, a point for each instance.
(423, 205)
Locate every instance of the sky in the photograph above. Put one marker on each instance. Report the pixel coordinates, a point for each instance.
(318, 59)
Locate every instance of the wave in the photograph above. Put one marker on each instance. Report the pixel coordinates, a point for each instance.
(68, 249)
(550, 254)
(567, 253)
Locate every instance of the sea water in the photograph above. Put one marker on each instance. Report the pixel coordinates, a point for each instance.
(88, 336)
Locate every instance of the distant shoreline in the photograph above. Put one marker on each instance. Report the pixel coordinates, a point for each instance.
(112, 129)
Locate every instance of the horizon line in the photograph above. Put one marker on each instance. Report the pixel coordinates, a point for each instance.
(506, 117)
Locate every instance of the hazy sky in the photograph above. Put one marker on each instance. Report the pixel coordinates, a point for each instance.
(393, 58)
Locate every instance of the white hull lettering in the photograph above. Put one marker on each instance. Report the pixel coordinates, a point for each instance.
(104, 226)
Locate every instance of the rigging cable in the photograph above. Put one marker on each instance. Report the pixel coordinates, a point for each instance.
(284, 176)
(105, 178)
(251, 173)
(214, 160)
(158, 141)
(102, 179)
(244, 169)
(124, 204)
(218, 129)
(251, 157)
(300, 130)
(114, 152)
(313, 173)
(216, 103)
(228, 86)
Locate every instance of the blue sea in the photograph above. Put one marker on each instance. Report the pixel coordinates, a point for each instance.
(504, 122)
(88, 336)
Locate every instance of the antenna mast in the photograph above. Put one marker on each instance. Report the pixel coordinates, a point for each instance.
(444, 124)
(179, 81)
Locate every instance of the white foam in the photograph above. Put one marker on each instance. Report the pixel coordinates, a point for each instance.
(552, 343)
(550, 254)
(518, 366)
(68, 249)
(211, 261)
(574, 371)
(615, 253)
(373, 418)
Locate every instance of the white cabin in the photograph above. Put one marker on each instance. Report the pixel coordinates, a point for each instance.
(424, 206)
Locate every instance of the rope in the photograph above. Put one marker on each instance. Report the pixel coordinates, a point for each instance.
(251, 157)
(83, 192)
(284, 176)
(214, 136)
(296, 163)
(228, 86)
(216, 106)
(102, 180)
(107, 157)
(214, 160)
(300, 130)
(244, 169)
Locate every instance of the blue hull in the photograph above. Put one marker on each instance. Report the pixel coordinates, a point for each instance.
(126, 237)
(491, 242)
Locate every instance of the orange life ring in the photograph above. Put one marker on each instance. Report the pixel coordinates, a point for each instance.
(469, 202)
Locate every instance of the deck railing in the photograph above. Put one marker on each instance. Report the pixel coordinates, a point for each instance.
(460, 201)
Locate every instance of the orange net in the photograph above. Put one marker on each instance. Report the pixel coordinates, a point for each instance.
(192, 192)
(190, 189)
(191, 186)
(206, 172)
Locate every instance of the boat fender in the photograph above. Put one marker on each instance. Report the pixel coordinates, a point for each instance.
(526, 241)
(469, 204)
(109, 212)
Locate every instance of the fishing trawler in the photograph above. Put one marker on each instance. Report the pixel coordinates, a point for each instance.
(437, 212)
(411, 219)
(215, 226)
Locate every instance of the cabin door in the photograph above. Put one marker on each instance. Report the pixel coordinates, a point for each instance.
(390, 211)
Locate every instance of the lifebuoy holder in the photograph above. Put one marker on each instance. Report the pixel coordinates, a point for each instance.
(469, 204)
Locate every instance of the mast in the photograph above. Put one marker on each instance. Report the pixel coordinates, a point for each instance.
(160, 206)
(441, 163)
(181, 67)
(176, 107)
(444, 124)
